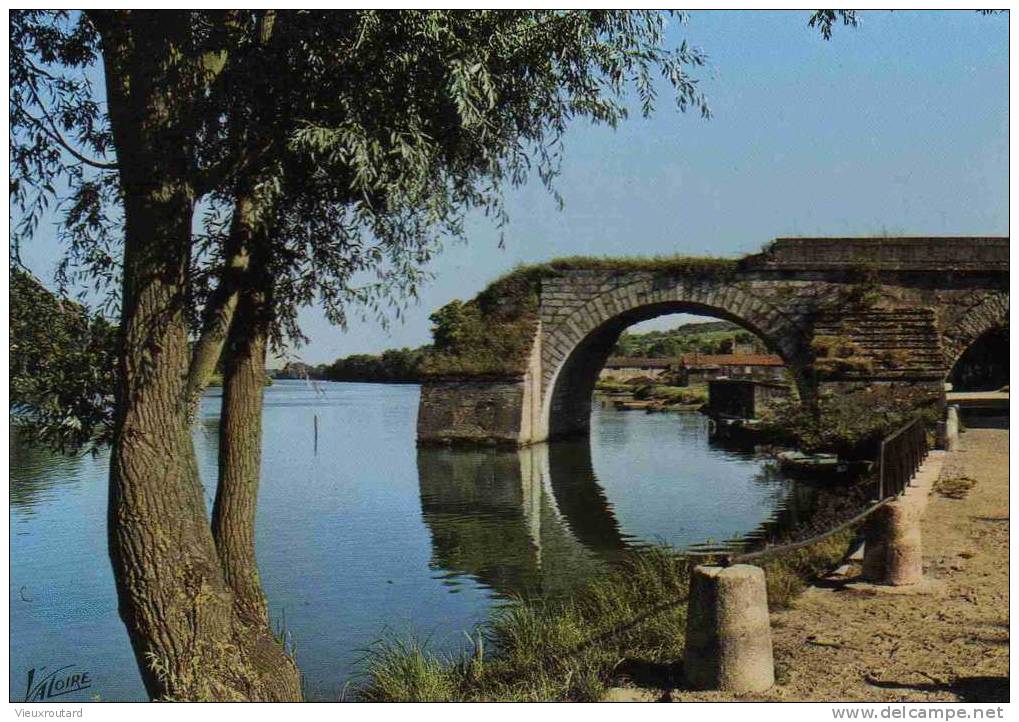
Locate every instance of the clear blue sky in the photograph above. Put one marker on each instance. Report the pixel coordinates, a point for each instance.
(899, 126)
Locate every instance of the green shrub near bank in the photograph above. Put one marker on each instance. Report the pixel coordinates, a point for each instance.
(849, 424)
(673, 395)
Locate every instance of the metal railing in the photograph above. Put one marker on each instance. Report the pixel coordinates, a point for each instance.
(902, 453)
(901, 456)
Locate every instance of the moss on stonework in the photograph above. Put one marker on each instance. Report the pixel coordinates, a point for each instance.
(491, 335)
(838, 355)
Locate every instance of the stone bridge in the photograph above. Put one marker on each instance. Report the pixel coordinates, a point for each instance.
(844, 314)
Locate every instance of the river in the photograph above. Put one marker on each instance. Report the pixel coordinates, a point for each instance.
(366, 536)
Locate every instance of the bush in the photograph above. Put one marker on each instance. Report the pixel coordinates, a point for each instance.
(849, 424)
(62, 368)
(610, 386)
(788, 574)
(672, 395)
(393, 366)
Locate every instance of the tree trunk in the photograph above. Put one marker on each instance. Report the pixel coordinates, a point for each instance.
(173, 598)
(240, 436)
(222, 305)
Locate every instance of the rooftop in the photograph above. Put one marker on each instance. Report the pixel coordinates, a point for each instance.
(694, 360)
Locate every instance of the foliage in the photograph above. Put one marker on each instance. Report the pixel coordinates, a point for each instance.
(62, 368)
(611, 386)
(392, 366)
(849, 424)
(712, 337)
(365, 136)
(60, 140)
(788, 574)
(362, 138)
(574, 648)
(670, 395)
(825, 20)
(549, 649)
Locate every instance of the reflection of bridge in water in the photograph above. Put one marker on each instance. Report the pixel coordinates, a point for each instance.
(537, 520)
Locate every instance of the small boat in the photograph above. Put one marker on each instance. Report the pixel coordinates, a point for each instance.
(798, 462)
(634, 405)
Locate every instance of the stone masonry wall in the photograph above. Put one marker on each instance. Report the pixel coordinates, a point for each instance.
(926, 300)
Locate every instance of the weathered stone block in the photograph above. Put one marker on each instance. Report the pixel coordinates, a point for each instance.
(728, 630)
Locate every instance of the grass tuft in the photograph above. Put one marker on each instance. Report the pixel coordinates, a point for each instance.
(954, 488)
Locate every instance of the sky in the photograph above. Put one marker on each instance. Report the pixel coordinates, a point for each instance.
(898, 126)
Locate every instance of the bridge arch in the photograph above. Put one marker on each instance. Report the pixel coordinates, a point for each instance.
(576, 347)
(989, 313)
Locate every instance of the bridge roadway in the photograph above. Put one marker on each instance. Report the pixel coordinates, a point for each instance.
(978, 399)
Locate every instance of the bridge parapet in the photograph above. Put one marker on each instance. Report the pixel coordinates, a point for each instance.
(943, 253)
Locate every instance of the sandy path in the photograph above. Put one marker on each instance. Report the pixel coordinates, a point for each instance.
(951, 643)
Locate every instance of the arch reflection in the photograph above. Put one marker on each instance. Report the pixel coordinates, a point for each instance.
(537, 521)
(493, 517)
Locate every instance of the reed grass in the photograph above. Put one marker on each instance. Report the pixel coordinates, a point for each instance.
(574, 648)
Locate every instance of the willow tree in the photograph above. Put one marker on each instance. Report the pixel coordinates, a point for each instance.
(320, 147)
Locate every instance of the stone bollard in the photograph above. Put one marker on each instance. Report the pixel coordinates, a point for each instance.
(893, 553)
(728, 630)
(941, 435)
(951, 428)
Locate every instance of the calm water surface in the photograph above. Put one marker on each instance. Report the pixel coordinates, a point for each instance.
(369, 536)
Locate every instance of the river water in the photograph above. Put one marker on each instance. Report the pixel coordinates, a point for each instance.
(366, 536)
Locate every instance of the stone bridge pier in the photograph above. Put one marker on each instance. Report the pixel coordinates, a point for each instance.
(844, 313)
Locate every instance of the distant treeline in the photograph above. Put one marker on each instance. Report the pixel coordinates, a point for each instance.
(403, 366)
(395, 366)
(710, 337)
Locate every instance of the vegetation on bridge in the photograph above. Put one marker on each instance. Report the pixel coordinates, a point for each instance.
(490, 336)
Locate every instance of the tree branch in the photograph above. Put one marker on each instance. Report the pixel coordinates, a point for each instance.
(55, 136)
(209, 346)
(222, 172)
(50, 128)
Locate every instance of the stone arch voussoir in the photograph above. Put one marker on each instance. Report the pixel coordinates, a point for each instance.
(618, 307)
(989, 313)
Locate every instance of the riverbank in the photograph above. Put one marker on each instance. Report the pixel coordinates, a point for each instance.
(651, 397)
(836, 641)
(627, 625)
(950, 643)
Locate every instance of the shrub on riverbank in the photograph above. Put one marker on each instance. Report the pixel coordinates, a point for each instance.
(789, 574)
(609, 386)
(848, 424)
(671, 395)
(573, 649)
(402, 365)
(558, 649)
